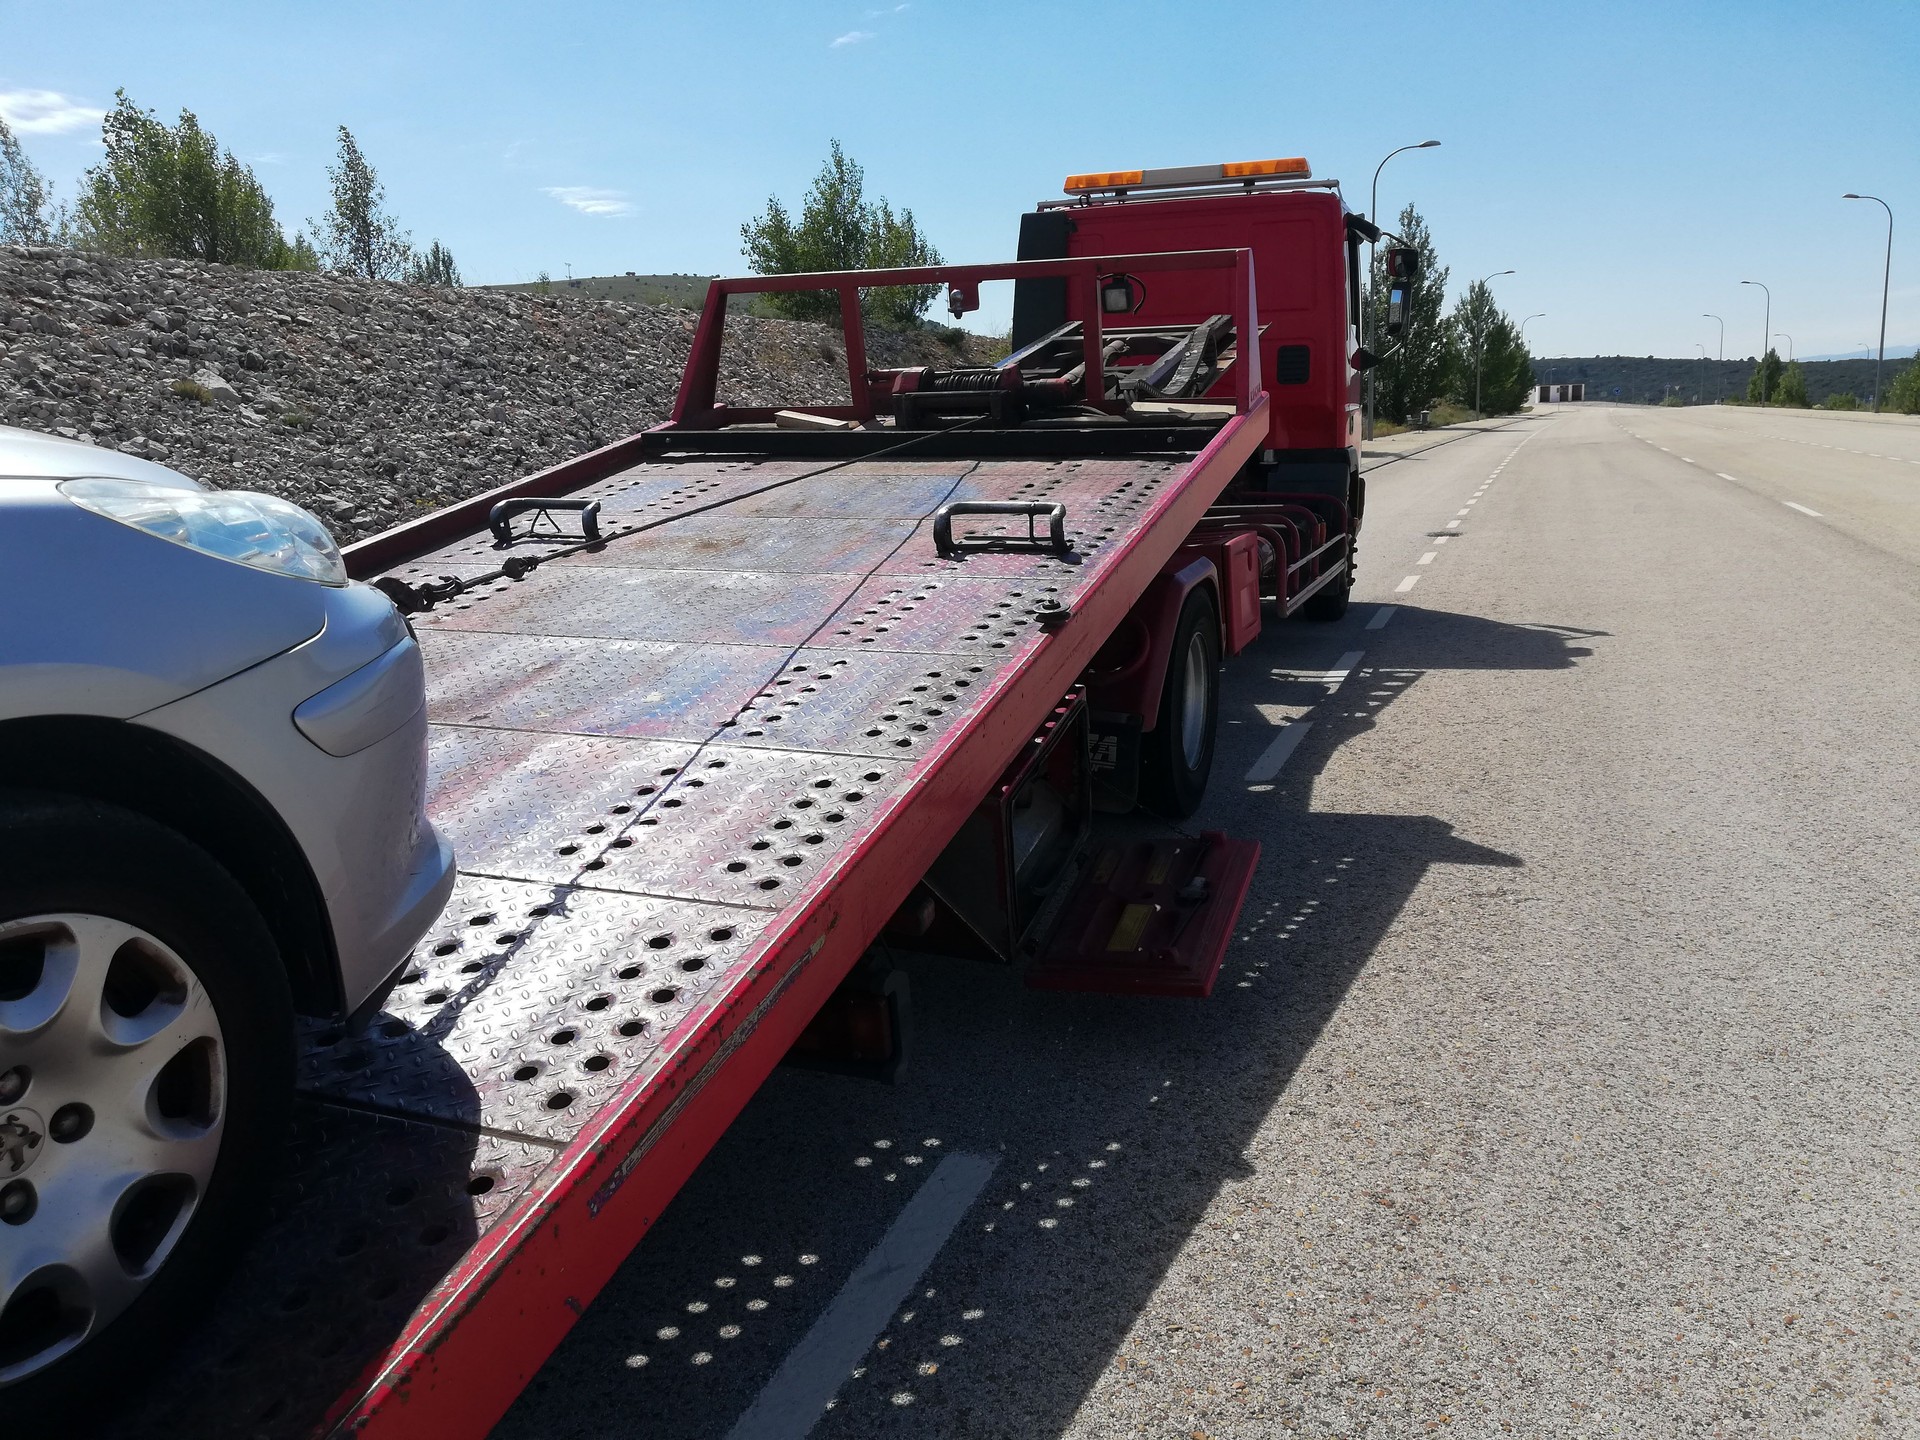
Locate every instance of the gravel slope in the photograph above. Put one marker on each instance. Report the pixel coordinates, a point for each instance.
(361, 400)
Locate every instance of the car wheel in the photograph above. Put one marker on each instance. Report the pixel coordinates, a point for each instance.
(146, 1068)
(1177, 754)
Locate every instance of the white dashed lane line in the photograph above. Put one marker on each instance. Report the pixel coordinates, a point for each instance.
(1453, 524)
(815, 1368)
(1801, 508)
(1381, 616)
(1274, 756)
(1406, 584)
(1428, 558)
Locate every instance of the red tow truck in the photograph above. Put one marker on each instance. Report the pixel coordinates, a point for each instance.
(717, 706)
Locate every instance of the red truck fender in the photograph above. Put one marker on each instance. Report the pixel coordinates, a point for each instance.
(1126, 675)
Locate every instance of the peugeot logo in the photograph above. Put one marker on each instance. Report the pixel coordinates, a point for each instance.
(20, 1136)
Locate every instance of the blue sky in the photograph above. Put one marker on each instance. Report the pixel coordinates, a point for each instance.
(1631, 161)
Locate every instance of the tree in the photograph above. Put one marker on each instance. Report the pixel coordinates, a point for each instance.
(839, 230)
(171, 190)
(1416, 374)
(1765, 379)
(1903, 395)
(434, 267)
(1490, 361)
(357, 235)
(1792, 389)
(26, 202)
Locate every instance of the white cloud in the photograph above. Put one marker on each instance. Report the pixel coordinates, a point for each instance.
(589, 200)
(46, 112)
(852, 37)
(269, 157)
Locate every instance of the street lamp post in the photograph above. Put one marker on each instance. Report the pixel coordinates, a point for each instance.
(1479, 343)
(1886, 275)
(1721, 355)
(1537, 315)
(1766, 332)
(1373, 213)
(1783, 335)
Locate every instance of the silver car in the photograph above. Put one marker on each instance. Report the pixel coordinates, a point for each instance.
(212, 767)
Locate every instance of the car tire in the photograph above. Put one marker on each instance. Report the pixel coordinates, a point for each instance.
(1176, 756)
(146, 1029)
(1328, 603)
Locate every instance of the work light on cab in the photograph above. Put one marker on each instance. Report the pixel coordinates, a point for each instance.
(1170, 177)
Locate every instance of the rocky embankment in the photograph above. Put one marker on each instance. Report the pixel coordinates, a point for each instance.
(362, 400)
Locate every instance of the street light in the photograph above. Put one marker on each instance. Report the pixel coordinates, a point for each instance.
(1886, 274)
(1783, 335)
(1373, 211)
(1479, 338)
(1766, 332)
(1537, 315)
(1703, 365)
(1718, 378)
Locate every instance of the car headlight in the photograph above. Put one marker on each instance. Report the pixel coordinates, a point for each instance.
(258, 530)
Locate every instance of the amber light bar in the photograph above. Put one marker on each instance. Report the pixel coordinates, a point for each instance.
(1294, 166)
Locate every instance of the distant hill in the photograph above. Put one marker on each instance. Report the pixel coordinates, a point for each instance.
(1645, 381)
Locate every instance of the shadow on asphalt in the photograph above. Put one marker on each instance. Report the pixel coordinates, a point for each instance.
(1116, 1121)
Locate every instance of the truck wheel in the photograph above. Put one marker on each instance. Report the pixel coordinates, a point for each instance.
(146, 1068)
(1329, 603)
(1176, 756)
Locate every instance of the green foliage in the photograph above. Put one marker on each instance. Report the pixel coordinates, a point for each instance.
(839, 230)
(433, 267)
(1843, 400)
(1416, 375)
(1671, 399)
(357, 235)
(1766, 378)
(170, 190)
(1903, 395)
(1792, 389)
(26, 201)
(1491, 369)
(543, 283)
(193, 390)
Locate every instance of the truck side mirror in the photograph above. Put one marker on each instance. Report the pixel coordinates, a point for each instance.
(1403, 263)
(1399, 308)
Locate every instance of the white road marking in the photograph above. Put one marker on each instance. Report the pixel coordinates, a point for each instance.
(1428, 558)
(1453, 524)
(1725, 476)
(1381, 616)
(1801, 508)
(1343, 667)
(1461, 512)
(814, 1370)
(1264, 769)
(1406, 584)
(1686, 459)
(1441, 539)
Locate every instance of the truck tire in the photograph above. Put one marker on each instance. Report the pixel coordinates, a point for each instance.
(1176, 756)
(145, 1029)
(1330, 603)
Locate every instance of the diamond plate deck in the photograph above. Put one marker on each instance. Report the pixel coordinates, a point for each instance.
(727, 607)
(748, 827)
(543, 808)
(657, 690)
(643, 754)
(528, 1006)
(367, 1218)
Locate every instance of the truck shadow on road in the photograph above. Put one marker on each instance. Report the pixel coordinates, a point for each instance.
(1116, 1121)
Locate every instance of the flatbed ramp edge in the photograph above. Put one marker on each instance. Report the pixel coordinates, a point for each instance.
(690, 775)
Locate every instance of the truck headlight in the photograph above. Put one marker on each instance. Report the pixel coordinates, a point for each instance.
(241, 525)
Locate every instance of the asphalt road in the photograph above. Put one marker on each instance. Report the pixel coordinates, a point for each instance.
(1562, 1076)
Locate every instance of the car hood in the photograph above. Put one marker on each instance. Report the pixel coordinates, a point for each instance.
(29, 455)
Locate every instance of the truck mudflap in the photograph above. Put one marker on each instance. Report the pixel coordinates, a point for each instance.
(1150, 917)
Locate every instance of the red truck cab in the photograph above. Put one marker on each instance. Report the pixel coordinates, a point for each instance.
(1306, 252)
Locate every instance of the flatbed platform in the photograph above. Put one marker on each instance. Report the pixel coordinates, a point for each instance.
(689, 773)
